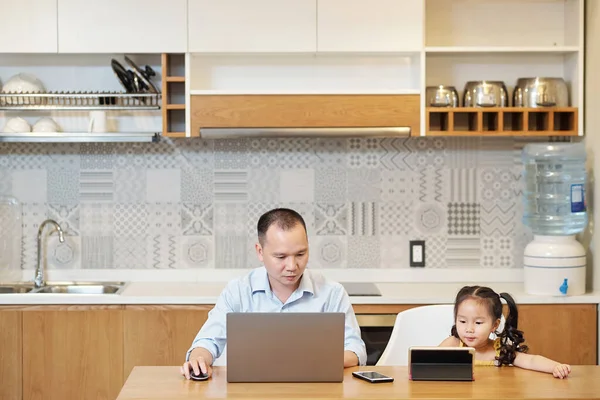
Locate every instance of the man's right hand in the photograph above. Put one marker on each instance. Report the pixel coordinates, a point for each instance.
(196, 365)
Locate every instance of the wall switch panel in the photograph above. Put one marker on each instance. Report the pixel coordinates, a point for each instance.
(417, 253)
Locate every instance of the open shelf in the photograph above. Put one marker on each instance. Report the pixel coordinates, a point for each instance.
(501, 121)
(174, 98)
(320, 73)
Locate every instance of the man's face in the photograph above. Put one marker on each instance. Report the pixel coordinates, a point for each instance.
(285, 255)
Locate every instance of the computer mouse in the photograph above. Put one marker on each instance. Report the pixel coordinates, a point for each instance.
(200, 377)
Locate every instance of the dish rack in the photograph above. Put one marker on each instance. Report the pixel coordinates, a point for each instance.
(80, 101)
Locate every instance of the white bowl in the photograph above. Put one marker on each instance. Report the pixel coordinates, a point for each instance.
(23, 83)
(17, 125)
(46, 125)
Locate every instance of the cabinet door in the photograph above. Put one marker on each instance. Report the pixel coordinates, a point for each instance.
(11, 347)
(563, 332)
(122, 26)
(370, 25)
(252, 26)
(28, 26)
(72, 352)
(160, 335)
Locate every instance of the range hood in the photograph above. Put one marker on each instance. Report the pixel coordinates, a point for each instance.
(74, 137)
(230, 116)
(236, 133)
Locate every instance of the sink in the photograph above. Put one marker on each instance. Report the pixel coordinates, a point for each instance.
(7, 288)
(82, 288)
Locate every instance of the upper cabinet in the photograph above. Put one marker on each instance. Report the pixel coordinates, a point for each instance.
(238, 26)
(370, 25)
(121, 26)
(28, 26)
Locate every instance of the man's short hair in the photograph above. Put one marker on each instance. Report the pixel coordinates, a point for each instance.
(285, 219)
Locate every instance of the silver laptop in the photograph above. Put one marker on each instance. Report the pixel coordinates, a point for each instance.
(285, 347)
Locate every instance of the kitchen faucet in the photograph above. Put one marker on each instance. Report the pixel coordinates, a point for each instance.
(38, 280)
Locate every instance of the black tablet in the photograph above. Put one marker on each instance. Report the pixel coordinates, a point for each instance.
(441, 363)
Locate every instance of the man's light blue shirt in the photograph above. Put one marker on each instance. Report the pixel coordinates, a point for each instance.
(252, 293)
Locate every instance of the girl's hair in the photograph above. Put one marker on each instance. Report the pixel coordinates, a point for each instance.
(511, 338)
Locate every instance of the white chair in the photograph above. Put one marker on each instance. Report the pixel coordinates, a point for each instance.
(420, 326)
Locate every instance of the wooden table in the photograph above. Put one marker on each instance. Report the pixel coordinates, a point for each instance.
(165, 383)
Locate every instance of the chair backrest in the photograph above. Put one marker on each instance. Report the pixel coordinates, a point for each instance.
(420, 326)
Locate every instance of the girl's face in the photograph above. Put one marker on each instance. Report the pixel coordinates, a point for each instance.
(474, 323)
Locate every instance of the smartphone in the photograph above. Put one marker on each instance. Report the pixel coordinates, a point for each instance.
(372, 376)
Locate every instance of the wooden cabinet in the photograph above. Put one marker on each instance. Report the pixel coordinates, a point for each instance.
(239, 26)
(160, 335)
(122, 26)
(370, 25)
(72, 352)
(287, 111)
(11, 346)
(562, 332)
(28, 26)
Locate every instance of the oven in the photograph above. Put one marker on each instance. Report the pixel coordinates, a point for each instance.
(375, 330)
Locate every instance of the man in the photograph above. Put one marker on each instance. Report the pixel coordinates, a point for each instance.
(282, 285)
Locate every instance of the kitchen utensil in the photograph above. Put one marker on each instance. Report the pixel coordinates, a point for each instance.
(98, 121)
(46, 125)
(17, 125)
(23, 83)
(441, 96)
(124, 76)
(142, 78)
(485, 94)
(541, 92)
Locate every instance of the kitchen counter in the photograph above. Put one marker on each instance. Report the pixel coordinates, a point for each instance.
(207, 293)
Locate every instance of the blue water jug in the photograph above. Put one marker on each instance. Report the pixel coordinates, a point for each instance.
(554, 198)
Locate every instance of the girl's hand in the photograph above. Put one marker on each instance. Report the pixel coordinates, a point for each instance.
(561, 371)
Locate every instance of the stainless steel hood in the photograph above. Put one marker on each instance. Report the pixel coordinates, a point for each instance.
(75, 137)
(235, 133)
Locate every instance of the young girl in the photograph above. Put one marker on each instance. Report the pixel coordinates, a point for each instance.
(477, 313)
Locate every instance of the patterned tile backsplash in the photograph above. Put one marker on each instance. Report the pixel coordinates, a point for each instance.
(195, 203)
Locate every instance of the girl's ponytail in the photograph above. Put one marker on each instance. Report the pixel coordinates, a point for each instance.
(511, 338)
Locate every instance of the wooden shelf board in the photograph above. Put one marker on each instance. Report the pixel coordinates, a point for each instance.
(175, 79)
(501, 133)
(174, 134)
(175, 106)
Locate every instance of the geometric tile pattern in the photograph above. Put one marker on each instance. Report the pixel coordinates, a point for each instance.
(363, 219)
(463, 218)
(331, 219)
(497, 251)
(498, 219)
(197, 219)
(435, 251)
(463, 252)
(194, 203)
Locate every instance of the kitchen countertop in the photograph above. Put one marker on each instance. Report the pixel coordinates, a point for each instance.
(189, 293)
